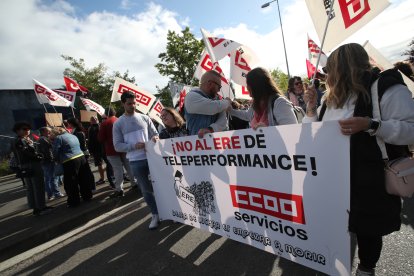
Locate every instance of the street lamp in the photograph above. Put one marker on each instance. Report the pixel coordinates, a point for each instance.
(281, 28)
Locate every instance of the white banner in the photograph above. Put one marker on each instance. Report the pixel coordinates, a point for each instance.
(280, 189)
(378, 60)
(155, 112)
(91, 105)
(47, 95)
(143, 99)
(347, 18)
(68, 95)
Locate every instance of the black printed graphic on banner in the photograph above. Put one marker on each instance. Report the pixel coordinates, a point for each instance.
(199, 196)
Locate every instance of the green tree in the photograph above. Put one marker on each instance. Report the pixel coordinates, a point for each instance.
(280, 78)
(164, 96)
(181, 57)
(96, 79)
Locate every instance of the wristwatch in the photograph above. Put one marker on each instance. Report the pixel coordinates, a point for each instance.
(373, 127)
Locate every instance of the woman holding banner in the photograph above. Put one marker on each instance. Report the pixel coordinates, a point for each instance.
(269, 107)
(373, 213)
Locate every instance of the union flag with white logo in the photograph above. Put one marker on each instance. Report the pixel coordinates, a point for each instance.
(347, 17)
(206, 64)
(217, 47)
(155, 112)
(91, 105)
(242, 60)
(313, 52)
(144, 100)
(47, 95)
(241, 92)
(68, 95)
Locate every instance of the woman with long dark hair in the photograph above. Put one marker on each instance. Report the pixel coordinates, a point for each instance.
(374, 213)
(269, 106)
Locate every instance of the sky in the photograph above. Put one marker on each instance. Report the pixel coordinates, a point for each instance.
(130, 34)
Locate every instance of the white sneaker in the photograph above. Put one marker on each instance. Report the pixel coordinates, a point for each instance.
(154, 222)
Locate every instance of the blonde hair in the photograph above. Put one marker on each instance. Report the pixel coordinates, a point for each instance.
(56, 131)
(346, 68)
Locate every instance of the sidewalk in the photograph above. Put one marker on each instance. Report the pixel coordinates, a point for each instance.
(20, 230)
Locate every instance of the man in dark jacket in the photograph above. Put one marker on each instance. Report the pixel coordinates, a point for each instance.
(48, 165)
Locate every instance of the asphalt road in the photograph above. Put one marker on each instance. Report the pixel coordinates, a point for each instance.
(121, 244)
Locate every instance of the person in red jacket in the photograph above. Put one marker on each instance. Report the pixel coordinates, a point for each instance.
(116, 159)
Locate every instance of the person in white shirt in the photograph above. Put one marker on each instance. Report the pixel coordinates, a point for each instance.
(373, 213)
(205, 112)
(130, 132)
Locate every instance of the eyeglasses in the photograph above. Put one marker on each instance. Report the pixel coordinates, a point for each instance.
(164, 116)
(219, 86)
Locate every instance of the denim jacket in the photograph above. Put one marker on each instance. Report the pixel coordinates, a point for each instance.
(66, 147)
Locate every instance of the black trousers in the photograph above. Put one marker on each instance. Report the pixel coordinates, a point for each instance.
(369, 250)
(77, 178)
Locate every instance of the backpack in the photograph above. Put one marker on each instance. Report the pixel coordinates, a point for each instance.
(299, 112)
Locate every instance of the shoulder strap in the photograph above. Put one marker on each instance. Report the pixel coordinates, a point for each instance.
(376, 114)
(322, 111)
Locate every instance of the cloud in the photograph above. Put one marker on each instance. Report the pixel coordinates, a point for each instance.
(35, 36)
(390, 33)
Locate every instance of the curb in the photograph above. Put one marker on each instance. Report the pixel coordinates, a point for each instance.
(6, 264)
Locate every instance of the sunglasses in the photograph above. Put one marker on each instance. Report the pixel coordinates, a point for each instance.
(25, 128)
(298, 83)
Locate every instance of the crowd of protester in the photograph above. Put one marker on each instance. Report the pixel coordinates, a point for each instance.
(120, 142)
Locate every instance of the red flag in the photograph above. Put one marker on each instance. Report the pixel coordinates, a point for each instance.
(311, 70)
(181, 101)
(73, 86)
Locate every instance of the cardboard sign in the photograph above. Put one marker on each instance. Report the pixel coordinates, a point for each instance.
(53, 119)
(86, 115)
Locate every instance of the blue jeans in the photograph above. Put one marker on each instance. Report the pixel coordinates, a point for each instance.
(51, 181)
(140, 171)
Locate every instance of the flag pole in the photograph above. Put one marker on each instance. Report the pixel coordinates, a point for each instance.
(44, 107)
(323, 41)
(73, 112)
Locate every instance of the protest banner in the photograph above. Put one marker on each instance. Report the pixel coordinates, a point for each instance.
(281, 189)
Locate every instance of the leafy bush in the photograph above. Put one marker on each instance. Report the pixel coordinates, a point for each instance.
(4, 167)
